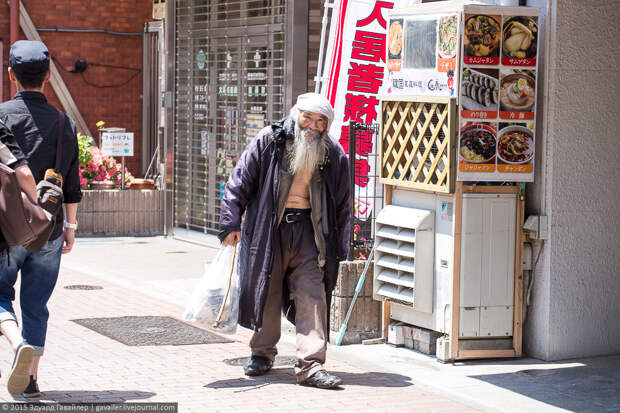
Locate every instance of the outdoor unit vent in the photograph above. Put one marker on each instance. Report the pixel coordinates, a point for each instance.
(404, 256)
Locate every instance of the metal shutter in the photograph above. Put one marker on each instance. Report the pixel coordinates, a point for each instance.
(229, 85)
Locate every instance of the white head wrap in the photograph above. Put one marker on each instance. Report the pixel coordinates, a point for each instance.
(313, 102)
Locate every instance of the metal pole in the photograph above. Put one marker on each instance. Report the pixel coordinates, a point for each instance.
(122, 172)
(352, 138)
(319, 68)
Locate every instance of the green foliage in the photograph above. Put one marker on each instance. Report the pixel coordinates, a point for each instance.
(85, 142)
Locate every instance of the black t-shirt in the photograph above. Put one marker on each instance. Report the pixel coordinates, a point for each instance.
(34, 123)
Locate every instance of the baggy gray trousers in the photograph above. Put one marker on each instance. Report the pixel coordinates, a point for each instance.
(296, 263)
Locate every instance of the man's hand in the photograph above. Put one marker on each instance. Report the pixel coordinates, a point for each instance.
(26, 181)
(69, 233)
(68, 240)
(232, 239)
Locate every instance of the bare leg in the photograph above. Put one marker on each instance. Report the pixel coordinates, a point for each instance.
(23, 363)
(10, 330)
(34, 369)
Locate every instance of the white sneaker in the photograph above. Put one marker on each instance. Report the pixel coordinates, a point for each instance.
(20, 372)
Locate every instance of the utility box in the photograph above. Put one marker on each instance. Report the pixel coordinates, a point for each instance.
(487, 265)
(159, 9)
(448, 254)
(430, 260)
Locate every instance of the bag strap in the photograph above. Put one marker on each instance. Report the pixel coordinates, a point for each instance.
(61, 132)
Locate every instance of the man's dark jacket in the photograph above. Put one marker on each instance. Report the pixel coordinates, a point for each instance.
(253, 189)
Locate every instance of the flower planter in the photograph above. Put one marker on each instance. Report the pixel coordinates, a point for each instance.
(121, 213)
(142, 184)
(365, 320)
(100, 185)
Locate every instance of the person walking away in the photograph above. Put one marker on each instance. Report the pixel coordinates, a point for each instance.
(292, 184)
(35, 125)
(12, 156)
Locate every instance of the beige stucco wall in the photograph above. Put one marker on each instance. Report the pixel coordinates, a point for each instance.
(576, 296)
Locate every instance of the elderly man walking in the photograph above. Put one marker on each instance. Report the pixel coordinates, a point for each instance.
(292, 184)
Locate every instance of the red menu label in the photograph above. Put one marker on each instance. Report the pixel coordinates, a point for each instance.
(516, 115)
(527, 168)
(479, 114)
(513, 61)
(477, 167)
(479, 60)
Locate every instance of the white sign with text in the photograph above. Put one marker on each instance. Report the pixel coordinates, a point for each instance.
(117, 144)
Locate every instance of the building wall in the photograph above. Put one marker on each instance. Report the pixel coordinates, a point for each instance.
(122, 106)
(576, 296)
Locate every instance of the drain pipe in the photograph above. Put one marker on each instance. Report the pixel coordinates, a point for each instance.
(14, 31)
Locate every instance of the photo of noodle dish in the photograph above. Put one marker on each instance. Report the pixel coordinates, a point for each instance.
(481, 36)
(517, 91)
(447, 36)
(477, 143)
(515, 145)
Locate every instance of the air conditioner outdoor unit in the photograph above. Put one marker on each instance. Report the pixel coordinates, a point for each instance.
(404, 257)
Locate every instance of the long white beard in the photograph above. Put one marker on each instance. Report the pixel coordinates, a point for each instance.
(308, 150)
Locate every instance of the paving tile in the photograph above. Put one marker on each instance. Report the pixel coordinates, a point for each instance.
(81, 365)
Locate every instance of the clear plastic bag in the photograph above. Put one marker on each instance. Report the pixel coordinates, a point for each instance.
(219, 284)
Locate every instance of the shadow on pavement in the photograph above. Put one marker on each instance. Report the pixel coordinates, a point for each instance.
(89, 396)
(286, 376)
(374, 379)
(593, 387)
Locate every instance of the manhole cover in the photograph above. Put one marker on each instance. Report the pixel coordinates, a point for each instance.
(150, 331)
(83, 287)
(535, 372)
(280, 361)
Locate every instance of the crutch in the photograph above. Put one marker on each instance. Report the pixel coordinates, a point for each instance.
(358, 288)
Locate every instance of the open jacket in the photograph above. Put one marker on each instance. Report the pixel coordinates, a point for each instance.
(252, 189)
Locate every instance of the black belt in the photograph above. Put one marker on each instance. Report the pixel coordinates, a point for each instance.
(295, 215)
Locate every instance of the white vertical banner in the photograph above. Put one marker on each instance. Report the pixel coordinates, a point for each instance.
(354, 71)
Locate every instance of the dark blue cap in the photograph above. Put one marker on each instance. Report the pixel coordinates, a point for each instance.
(30, 58)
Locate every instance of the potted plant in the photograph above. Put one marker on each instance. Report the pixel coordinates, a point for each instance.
(96, 170)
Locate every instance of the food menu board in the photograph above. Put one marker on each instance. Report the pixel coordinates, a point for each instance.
(498, 83)
(422, 54)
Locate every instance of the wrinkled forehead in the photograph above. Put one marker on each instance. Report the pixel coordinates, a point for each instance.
(313, 115)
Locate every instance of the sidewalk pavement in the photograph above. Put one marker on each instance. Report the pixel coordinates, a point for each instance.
(154, 277)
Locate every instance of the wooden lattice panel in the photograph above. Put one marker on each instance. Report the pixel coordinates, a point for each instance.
(417, 145)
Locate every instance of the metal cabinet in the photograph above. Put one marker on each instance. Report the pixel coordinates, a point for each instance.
(487, 265)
